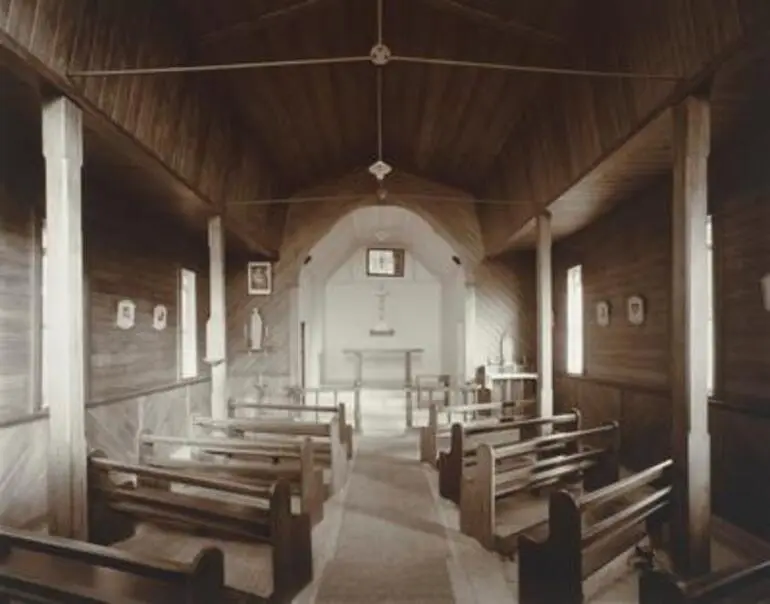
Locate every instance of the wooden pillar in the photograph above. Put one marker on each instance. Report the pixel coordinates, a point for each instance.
(544, 316)
(63, 309)
(691, 510)
(408, 389)
(294, 336)
(216, 328)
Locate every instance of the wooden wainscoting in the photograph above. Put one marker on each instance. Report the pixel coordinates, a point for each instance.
(643, 412)
(111, 424)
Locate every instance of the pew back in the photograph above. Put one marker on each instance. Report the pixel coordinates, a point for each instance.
(575, 548)
(36, 568)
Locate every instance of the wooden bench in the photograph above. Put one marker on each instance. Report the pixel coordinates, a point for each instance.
(329, 452)
(205, 506)
(552, 567)
(464, 440)
(40, 568)
(217, 456)
(345, 429)
(503, 472)
(747, 583)
(435, 436)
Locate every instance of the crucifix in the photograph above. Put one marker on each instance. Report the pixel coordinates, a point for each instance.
(381, 329)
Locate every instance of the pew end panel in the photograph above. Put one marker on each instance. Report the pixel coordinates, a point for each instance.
(312, 491)
(477, 499)
(450, 469)
(292, 546)
(606, 470)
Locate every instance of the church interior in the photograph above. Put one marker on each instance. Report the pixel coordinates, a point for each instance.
(352, 301)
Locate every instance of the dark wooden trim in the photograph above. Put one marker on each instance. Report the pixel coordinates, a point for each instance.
(629, 386)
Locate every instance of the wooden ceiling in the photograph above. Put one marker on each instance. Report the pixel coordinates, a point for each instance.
(445, 123)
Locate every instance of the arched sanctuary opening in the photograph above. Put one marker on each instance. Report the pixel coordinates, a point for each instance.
(382, 282)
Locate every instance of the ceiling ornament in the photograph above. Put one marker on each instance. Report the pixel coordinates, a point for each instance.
(380, 56)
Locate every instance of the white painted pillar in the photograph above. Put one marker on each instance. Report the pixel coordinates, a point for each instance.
(691, 510)
(63, 310)
(544, 315)
(216, 327)
(470, 330)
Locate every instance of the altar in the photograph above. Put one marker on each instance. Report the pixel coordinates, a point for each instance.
(360, 355)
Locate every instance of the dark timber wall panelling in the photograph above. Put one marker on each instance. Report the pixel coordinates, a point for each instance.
(133, 374)
(626, 367)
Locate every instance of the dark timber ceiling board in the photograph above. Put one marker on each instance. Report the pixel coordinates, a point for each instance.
(441, 122)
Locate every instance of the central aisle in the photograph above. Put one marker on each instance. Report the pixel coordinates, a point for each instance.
(392, 545)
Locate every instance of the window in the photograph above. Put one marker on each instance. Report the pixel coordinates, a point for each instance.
(188, 348)
(384, 262)
(575, 320)
(710, 296)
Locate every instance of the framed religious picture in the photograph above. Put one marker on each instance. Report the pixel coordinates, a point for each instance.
(635, 310)
(159, 317)
(126, 314)
(603, 313)
(766, 291)
(260, 278)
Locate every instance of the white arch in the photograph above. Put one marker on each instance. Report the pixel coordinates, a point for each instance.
(389, 226)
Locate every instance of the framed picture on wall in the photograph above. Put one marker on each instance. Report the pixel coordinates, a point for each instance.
(260, 278)
(635, 310)
(603, 313)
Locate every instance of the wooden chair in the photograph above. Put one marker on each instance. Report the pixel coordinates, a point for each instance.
(345, 429)
(261, 515)
(435, 437)
(217, 456)
(329, 450)
(503, 472)
(748, 583)
(41, 568)
(552, 569)
(465, 440)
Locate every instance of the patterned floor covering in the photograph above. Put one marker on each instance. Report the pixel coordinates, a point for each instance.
(392, 546)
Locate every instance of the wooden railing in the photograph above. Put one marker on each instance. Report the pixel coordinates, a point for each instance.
(573, 549)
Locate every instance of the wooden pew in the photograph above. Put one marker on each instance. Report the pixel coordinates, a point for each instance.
(503, 472)
(552, 569)
(464, 440)
(40, 568)
(435, 436)
(329, 451)
(345, 429)
(260, 514)
(747, 583)
(214, 456)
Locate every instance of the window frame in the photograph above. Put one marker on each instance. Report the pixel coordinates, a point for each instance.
(399, 262)
(183, 371)
(575, 349)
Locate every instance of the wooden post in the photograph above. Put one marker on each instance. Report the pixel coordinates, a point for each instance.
(64, 316)
(408, 389)
(691, 510)
(544, 316)
(216, 328)
(691, 498)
